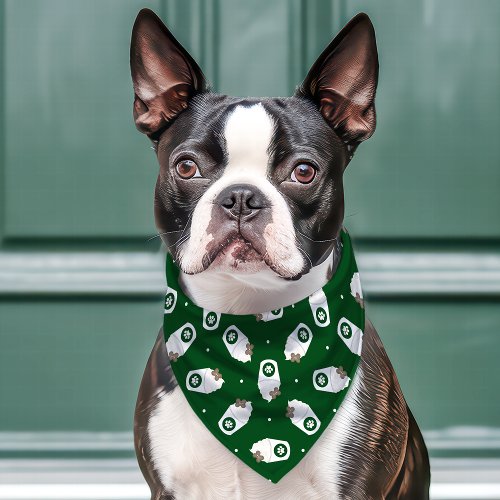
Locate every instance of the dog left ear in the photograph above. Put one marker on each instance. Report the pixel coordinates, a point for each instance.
(343, 81)
(165, 76)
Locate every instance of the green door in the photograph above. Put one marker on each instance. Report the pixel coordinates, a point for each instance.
(81, 280)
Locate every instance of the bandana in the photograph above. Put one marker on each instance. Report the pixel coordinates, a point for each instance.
(267, 385)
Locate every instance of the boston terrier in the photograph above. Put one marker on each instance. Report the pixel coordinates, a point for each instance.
(249, 202)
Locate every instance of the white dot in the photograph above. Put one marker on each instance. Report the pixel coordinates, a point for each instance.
(236, 450)
(185, 303)
(269, 419)
(208, 349)
(335, 410)
(241, 380)
(296, 380)
(203, 410)
(293, 306)
(341, 296)
(302, 450)
(267, 341)
(327, 347)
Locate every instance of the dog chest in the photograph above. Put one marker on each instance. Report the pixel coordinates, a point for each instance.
(193, 464)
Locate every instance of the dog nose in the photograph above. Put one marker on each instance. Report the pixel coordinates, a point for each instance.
(241, 200)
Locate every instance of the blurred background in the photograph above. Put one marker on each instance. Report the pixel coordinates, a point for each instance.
(81, 281)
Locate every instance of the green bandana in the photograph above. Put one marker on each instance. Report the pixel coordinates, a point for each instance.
(267, 385)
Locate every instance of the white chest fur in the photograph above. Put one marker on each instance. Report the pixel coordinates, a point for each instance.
(193, 464)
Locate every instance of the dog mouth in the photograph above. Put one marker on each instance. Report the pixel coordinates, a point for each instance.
(236, 253)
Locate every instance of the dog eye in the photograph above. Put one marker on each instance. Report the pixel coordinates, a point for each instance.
(303, 173)
(187, 169)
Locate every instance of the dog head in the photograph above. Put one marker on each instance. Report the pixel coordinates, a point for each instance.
(252, 184)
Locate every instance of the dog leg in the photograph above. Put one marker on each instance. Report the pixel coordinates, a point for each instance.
(157, 380)
(413, 480)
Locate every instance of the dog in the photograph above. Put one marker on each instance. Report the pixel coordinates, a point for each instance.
(249, 202)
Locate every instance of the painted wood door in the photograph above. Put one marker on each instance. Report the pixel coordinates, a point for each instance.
(81, 281)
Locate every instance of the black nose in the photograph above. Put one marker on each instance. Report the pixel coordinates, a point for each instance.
(241, 200)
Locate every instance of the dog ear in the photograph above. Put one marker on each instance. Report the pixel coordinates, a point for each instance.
(343, 81)
(164, 75)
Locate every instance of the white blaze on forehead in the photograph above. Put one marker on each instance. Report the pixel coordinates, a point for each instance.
(248, 133)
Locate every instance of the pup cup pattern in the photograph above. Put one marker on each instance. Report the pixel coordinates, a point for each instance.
(302, 416)
(319, 308)
(298, 343)
(356, 290)
(270, 315)
(235, 417)
(330, 379)
(204, 380)
(292, 371)
(351, 335)
(170, 300)
(270, 450)
(269, 380)
(180, 341)
(210, 319)
(237, 344)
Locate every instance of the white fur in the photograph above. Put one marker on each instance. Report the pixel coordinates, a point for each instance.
(238, 293)
(248, 133)
(192, 463)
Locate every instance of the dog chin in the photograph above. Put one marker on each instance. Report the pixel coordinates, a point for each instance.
(238, 256)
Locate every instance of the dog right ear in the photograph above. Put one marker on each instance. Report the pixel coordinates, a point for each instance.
(164, 75)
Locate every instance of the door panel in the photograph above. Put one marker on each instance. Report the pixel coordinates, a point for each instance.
(431, 169)
(77, 175)
(74, 164)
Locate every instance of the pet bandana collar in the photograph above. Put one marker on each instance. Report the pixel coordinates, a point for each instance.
(267, 385)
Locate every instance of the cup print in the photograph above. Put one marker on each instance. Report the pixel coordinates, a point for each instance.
(270, 450)
(269, 380)
(180, 341)
(351, 335)
(270, 315)
(204, 380)
(210, 319)
(302, 416)
(237, 344)
(356, 286)
(170, 300)
(330, 379)
(235, 417)
(319, 308)
(298, 343)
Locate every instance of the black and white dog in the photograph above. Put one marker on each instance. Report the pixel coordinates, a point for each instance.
(249, 201)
